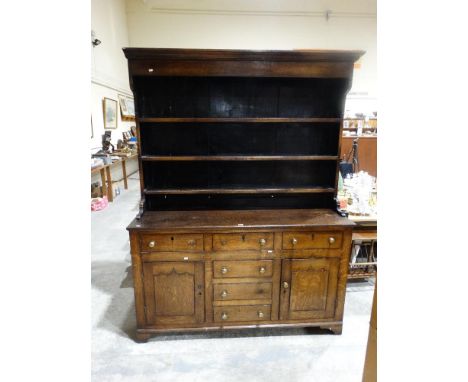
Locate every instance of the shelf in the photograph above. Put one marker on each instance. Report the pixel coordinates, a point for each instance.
(301, 190)
(364, 128)
(239, 120)
(150, 158)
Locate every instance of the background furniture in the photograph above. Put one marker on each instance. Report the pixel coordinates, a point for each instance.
(239, 155)
(351, 125)
(106, 177)
(364, 242)
(367, 152)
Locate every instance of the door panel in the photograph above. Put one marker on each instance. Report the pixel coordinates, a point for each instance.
(174, 292)
(309, 288)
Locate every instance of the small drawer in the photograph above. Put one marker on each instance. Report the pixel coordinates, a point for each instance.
(242, 313)
(242, 241)
(243, 268)
(242, 291)
(172, 243)
(312, 240)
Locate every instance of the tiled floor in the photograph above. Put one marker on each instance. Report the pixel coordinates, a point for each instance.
(285, 355)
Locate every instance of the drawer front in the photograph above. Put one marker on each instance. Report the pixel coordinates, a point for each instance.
(243, 268)
(312, 240)
(242, 313)
(175, 243)
(242, 291)
(242, 241)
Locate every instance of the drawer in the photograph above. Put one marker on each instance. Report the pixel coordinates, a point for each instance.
(242, 268)
(242, 291)
(242, 313)
(311, 240)
(242, 241)
(168, 242)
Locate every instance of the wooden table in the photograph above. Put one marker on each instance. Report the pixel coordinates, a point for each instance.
(105, 171)
(364, 233)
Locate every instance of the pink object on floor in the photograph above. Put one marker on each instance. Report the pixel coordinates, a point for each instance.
(98, 204)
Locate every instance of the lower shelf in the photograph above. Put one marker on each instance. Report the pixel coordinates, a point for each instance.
(301, 190)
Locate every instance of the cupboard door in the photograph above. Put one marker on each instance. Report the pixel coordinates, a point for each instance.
(174, 292)
(308, 288)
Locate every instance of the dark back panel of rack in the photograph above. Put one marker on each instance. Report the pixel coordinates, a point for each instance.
(236, 97)
(239, 138)
(243, 174)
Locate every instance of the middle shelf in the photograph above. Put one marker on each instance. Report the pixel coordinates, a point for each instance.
(229, 140)
(270, 175)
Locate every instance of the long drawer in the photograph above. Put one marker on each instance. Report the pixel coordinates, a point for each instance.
(242, 241)
(242, 313)
(312, 240)
(242, 291)
(242, 268)
(171, 242)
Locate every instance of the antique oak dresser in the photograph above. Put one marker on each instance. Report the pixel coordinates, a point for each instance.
(239, 154)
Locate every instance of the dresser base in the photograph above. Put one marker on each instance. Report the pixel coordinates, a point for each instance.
(142, 335)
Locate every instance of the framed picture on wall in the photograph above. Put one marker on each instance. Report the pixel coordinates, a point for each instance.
(110, 113)
(127, 108)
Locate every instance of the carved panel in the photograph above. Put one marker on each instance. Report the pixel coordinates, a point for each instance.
(174, 292)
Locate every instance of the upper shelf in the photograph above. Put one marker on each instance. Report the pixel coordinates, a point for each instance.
(240, 120)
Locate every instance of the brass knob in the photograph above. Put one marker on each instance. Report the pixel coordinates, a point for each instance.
(224, 293)
(331, 240)
(191, 243)
(262, 242)
(224, 270)
(262, 270)
(294, 241)
(151, 244)
(285, 285)
(260, 314)
(224, 316)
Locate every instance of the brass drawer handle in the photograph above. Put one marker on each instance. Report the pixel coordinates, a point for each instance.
(224, 270)
(331, 240)
(262, 270)
(285, 285)
(224, 293)
(260, 314)
(152, 244)
(191, 243)
(294, 241)
(262, 242)
(224, 316)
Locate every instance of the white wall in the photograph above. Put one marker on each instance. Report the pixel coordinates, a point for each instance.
(245, 24)
(109, 75)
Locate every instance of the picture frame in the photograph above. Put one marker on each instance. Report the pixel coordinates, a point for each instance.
(110, 113)
(127, 108)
